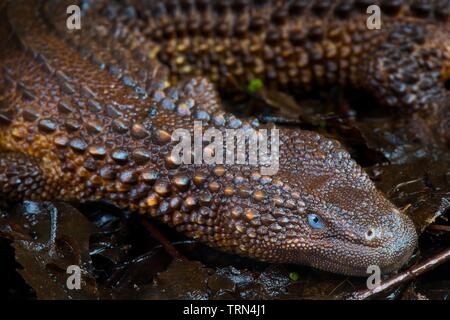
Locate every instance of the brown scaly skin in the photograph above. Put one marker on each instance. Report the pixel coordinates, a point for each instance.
(88, 114)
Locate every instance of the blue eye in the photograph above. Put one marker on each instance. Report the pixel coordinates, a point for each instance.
(315, 221)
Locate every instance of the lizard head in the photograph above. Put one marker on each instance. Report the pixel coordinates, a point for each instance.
(320, 209)
(351, 227)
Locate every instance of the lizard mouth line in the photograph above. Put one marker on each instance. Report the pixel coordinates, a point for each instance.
(345, 265)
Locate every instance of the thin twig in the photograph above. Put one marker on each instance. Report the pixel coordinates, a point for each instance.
(171, 250)
(338, 286)
(403, 277)
(438, 227)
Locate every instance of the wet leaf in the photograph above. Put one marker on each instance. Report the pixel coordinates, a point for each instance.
(48, 238)
(419, 187)
(182, 280)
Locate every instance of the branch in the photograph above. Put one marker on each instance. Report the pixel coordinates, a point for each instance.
(170, 249)
(403, 277)
(438, 228)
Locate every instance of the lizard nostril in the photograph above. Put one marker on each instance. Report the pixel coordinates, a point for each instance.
(370, 234)
(447, 84)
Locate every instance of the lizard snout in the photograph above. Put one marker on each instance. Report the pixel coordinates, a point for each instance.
(398, 243)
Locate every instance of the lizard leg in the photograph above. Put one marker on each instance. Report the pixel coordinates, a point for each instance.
(23, 177)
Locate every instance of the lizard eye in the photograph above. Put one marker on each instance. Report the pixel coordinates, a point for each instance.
(315, 221)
